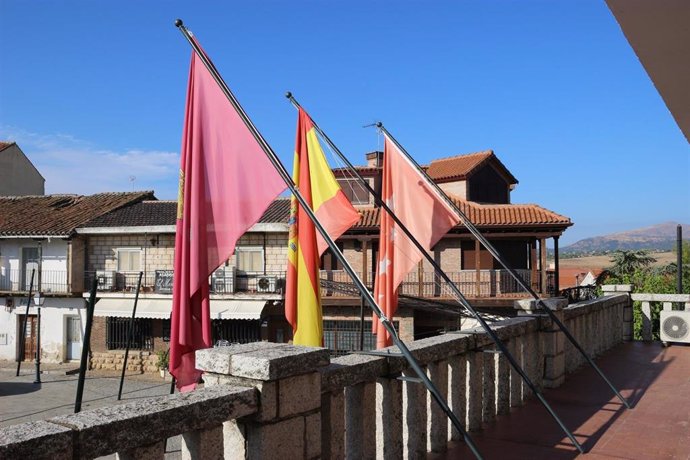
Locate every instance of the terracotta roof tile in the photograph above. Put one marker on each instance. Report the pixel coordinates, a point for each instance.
(58, 215)
(488, 215)
(459, 167)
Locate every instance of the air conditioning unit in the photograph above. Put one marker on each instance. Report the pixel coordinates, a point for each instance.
(106, 279)
(674, 326)
(266, 284)
(223, 280)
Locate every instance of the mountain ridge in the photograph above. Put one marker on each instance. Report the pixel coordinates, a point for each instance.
(659, 237)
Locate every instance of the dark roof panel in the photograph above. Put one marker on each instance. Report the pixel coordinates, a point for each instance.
(142, 214)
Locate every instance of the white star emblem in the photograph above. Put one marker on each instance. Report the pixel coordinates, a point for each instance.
(390, 202)
(383, 266)
(394, 233)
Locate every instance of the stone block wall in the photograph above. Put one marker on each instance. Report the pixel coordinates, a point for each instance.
(137, 361)
(157, 251)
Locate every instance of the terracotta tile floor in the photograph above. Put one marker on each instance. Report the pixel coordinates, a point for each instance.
(655, 380)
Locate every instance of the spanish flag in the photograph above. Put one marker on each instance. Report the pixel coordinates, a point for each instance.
(316, 182)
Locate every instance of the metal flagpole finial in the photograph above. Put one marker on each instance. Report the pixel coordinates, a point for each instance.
(178, 22)
(288, 95)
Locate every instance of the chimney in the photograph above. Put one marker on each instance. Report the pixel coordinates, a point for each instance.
(375, 159)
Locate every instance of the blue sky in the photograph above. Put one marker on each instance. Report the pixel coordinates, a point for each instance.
(94, 93)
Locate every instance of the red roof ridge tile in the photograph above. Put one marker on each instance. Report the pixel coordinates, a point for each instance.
(487, 152)
(6, 144)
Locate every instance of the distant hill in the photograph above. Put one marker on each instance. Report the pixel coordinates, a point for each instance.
(660, 237)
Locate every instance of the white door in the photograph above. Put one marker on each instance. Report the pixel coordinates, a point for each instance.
(30, 262)
(74, 340)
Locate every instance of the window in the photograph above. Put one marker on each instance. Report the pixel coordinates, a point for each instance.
(249, 259)
(342, 336)
(129, 260)
(116, 334)
(354, 191)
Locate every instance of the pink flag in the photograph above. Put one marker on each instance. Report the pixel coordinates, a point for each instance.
(425, 214)
(226, 183)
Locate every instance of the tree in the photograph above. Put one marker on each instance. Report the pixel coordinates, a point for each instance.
(626, 263)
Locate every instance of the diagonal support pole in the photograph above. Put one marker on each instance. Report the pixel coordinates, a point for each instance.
(477, 234)
(130, 332)
(280, 168)
(459, 296)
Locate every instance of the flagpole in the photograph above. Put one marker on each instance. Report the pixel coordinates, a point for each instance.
(275, 161)
(437, 268)
(473, 229)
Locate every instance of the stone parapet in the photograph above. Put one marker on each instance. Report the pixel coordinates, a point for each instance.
(127, 428)
(266, 400)
(288, 381)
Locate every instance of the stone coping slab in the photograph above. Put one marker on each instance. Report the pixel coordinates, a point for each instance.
(36, 440)
(118, 428)
(352, 369)
(262, 360)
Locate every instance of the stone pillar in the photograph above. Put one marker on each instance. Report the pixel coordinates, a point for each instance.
(516, 393)
(333, 425)
(360, 421)
(610, 289)
(203, 444)
(155, 451)
(438, 420)
(414, 425)
(475, 371)
(502, 384)
(389, 420)
(289, 386)
(553, 354)
(457, 393)
(489, 385)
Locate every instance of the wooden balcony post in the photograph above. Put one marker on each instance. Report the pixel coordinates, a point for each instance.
(533, 263)
(556, 281)
(420, 279)
(542, 253)
(365, 263)
(477, 266)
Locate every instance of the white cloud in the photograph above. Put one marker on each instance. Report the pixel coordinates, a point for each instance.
(72, 165)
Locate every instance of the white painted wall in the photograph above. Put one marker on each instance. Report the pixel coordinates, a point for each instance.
(54, 264)
(54, 315)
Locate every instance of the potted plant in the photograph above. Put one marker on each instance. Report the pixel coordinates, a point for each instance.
(162, 362)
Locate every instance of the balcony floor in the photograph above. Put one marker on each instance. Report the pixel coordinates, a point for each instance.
(655, 380)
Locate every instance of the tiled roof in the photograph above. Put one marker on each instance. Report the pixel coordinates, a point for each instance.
(488, 215)
(59, 215)
(4, 145)
(144, 213)
(366, 170)
(277, 212)
(482, 215)
(459, 167)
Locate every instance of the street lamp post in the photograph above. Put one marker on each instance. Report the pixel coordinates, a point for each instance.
(38, 301)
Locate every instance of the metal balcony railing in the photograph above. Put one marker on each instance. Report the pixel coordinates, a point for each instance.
(49, 281)
(225, 280)
(228, 280)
